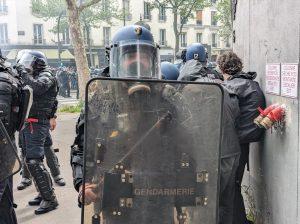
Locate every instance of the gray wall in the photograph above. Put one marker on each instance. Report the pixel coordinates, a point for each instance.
(268, 31)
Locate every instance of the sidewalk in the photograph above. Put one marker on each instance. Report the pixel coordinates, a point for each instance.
(68, 211)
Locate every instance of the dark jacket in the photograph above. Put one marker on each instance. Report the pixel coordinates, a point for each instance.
(193, 69)
(45, 89)
(250, 98)
(76, 159)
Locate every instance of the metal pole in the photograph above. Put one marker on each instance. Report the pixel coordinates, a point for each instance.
(124, 16)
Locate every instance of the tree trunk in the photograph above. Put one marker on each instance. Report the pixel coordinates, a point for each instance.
(176, 33)
(79, 48)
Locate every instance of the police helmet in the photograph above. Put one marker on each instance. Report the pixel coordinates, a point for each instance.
(133, 54)
(169, 71)
(197, 52)
(33, 60)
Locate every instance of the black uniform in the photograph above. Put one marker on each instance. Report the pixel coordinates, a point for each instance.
(250, 98)
(37, 130)
(13, 110)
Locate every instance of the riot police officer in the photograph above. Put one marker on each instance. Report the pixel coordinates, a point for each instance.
(154, 129)
(169, 71)
(51, 158)
(196, 64)
(14, 105)
(33, 69)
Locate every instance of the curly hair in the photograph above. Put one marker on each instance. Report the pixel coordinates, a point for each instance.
(230, 63)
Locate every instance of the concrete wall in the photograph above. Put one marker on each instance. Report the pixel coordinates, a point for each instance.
(267, 31)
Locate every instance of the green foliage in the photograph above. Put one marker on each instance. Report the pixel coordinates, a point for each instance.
(48, 9)
(224, 17)
(72, 109)
(91, 16)
(184, 8)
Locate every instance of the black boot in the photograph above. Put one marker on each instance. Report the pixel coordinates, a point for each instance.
(46, 206)
(36, 201)
(24, 184)
(44, 185)
(59, 180)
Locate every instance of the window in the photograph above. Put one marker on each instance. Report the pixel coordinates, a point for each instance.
(37, 33)
(227, 42)
(213, 18)
(183, 42)
(128, 15)
(213, 1)
(3, 6)
(214, 40)
(199, 37)
(105, 5)
(199, 17)
(106, 36)
(162, 37)
(66, 36)
(147, 11)
(3, 33)
(162, 13)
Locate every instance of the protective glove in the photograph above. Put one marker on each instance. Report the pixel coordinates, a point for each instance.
(20, 69)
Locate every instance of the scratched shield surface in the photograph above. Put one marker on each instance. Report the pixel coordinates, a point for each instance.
(152, 152)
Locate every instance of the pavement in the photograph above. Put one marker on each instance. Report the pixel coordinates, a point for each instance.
(68, 211)
(68, 101)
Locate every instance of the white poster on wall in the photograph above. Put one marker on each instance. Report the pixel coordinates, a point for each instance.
(273, 78)
(289, 80)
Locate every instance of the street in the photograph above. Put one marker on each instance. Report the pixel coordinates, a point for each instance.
(68, 211)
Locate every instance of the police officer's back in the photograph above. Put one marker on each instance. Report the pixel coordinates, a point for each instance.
(14, 105)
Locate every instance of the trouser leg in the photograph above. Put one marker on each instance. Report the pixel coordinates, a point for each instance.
(227, 189)
(239, 206)
(51, 158)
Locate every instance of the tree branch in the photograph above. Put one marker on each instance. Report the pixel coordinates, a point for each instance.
(87, 4)
(187, 15)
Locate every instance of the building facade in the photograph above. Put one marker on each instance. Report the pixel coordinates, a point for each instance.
(20, 29)
(268, 32)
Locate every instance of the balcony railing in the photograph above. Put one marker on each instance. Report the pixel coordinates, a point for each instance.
(163, 43)
(106, 42)
(162, 18)
(147, 16)
(3, 9)
(39, 41)
(4, 41)
(183, 44)
(199, 23)
(66, 42)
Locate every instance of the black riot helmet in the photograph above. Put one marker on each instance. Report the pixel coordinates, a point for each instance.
(33, 60)
(134, 54)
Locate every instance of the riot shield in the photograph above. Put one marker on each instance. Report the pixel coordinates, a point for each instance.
(9, 160)
(152, 152)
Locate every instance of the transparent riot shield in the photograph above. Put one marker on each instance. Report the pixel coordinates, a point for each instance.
(152, 152)
(9, 160)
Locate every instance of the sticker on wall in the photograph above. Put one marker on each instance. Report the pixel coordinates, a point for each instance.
(289, 80)
(273, 78)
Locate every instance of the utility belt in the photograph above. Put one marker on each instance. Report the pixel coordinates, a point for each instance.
(31, 121)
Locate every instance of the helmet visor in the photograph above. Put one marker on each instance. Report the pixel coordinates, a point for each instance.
(135, 59)
(27, 60)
